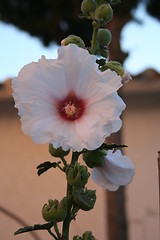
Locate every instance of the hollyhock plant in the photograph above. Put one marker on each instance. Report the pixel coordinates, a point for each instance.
(118, 170)
(68, 101)
(72, 103)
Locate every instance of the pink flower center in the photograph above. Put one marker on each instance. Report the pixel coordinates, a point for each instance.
(71, 107)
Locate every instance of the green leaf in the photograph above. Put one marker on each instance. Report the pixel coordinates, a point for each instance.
(43, 167)
(111, 146)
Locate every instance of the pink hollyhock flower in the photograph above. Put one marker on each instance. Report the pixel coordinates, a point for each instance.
(118, 170)
(68, 101)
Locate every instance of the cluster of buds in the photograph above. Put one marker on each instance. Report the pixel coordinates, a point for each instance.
(101, 13)
(97, 10)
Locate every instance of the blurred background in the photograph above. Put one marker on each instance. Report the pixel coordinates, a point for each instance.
(30, 29)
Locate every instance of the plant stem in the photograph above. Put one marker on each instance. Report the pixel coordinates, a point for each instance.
(52, 234)
(64, 161)
(66, 223)
(57, 231)
(94, 38)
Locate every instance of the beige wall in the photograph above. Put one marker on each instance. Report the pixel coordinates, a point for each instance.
(24, 193)
(141, 132)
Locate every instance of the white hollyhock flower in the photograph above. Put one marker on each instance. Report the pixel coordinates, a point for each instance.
(68, 101)
(117, 171)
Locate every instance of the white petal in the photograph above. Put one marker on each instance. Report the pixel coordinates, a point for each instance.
(102, 181)
(40, 85)
(118, 169)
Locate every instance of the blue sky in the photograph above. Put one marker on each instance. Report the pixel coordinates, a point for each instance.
(18, 48)
(142, 41)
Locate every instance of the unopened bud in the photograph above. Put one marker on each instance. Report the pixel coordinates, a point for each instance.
(94, 158)
(57, 152)
(55, 210)
(74, 40)
(77, 238)
(84, 199)
(103, 37)
(88, 6)
(77, 175)
(88, 236)
(104, 14)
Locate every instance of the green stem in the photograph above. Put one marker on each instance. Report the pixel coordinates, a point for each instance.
(57, 231)
(67, 221)
(52, 234)
(64, 161)
(94, 38)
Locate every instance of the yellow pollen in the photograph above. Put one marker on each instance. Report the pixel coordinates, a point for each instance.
(70, 109)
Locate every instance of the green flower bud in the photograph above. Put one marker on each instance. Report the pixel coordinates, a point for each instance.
(94, 158)
(77, 175)
(88, 236)
(113, 66)
(77, 238)
(59, 152)
(73, 39)
(88, 6)
(103, 37)
(55, 210)
(104, 14)
(84, 199)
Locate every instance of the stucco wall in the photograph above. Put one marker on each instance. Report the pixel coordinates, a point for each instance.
(23, 192)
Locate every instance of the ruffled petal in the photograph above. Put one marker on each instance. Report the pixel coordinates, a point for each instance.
(102, 181)
(40, 86)
(118, 169)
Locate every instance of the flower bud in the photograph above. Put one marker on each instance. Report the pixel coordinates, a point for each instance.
(88, 236)
(113, 66)
(55, 210)
(104, 13)
(84, 199)
(94, 158)
(77, 175)
(77, 238)
(73, 39)
(88, 6)
(103, 37)
(57, 152)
